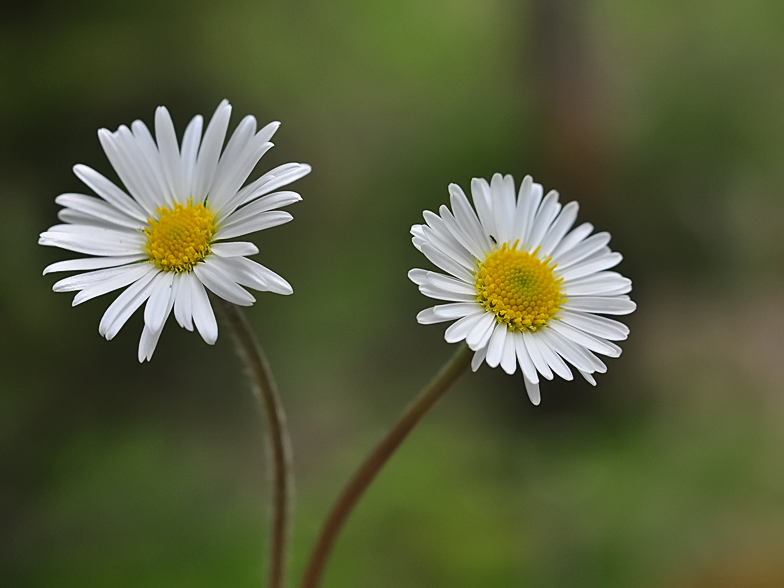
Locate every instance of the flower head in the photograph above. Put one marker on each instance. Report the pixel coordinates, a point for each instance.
(522, 287)
(169, 236)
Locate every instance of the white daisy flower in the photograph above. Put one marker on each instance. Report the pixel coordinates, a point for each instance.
(171, 237)
(522, 287)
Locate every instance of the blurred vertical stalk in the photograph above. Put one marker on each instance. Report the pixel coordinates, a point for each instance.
(278, 439)
(376, 459)
(573, 96)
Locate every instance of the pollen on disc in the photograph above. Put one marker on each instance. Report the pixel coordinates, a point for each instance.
(519, 288)
(179, 237)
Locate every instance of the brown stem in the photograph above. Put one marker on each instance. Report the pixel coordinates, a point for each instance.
(278, 439)
(362, 478)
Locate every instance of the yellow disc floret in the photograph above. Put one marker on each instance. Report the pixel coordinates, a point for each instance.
(519, 288)
(180, 237)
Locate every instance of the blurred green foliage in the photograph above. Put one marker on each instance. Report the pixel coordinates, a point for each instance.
(663, 119)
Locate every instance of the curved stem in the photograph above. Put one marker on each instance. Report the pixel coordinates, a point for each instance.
(278, 439)
(362, 478)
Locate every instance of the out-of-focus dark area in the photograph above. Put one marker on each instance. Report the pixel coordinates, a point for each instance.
(663, 119)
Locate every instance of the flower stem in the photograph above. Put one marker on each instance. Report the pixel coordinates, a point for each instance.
(362, 478)
(278, 439)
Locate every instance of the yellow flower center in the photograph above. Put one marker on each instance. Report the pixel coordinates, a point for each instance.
(519, 288)
(180, 237)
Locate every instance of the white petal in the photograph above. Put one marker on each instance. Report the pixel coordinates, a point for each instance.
(532, 205)
(99, 209)
(69, 216)
(533, 392)
(92, 263)
(446, 244)
(149, 339)
(170, 154)
(438, 234)
(583, 339)
(230, 160)
(203, 316)
(125, 305)
(598, 365)
(601, 304)
(450, 284)
(124, 275)
(428, 317)
(274, 200)
(595, 325)
(521, 208)
(509, 356)
(109, 192)
(480, 193)
(544, 217)
(74, 217)
(581, 251)
(559, 228)
(237, 143)
(441, 294)
(466, 217)
(600, 283)
(148, 179)
(572, 239)
(269, 182)
(460, 329)
(236, 249)
(247, 272)
(588, 377)
(87, 279)
(153, 166)
(221, 284)
(259, 222)
(446, 263)
(456, 310)
(268, 131)
(189, 151)
(207, 160)
(120, 159)
(445, 312)
(495, 348)
(524, 358)
(101, 278)
(70, 229)
(183, 305)
(230, 177)
(592, 265)
(469, 243)
(418, 276)
(155, 312)
(535, 353)
(482, 331)
(277, 178)
(551, 357)
(568, 350)
(236, 270)
(478, 358)
(503, 199)
(269, 202)
(93, 240)
(147, 344)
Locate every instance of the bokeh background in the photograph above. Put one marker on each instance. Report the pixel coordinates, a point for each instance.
(664, 119)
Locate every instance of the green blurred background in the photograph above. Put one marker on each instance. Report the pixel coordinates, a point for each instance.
(663, 119)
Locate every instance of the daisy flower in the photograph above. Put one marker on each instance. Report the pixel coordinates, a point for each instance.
(522, 287)
(170, 235)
